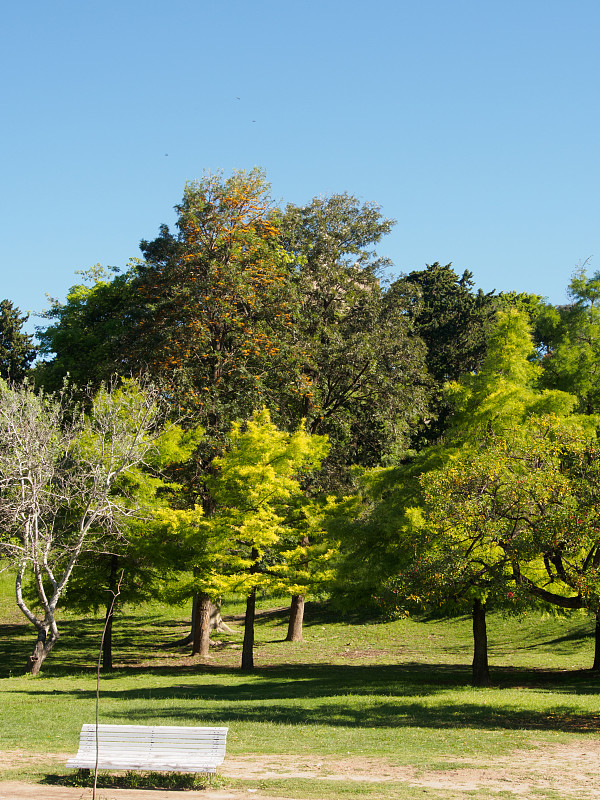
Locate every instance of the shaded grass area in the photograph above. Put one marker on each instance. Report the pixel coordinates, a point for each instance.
(137, 780)
(145, 639)
(346, 703)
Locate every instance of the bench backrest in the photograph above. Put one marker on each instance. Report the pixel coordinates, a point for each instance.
(156, 740)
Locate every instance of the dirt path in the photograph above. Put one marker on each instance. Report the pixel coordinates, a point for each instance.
(16, 790)
(569, 770)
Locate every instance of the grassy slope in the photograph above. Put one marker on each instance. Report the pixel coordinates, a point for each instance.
(349, 689)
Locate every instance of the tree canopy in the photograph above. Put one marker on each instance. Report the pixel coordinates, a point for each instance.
(454, 321)
(460, 468)
(17, 350)
(84, 343)
(361, 375)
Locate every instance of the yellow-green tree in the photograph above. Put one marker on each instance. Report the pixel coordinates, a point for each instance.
(512, 519)
(425, 533)
(506, 481)
(255, 487)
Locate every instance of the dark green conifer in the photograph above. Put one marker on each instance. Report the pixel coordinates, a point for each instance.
(17, 350)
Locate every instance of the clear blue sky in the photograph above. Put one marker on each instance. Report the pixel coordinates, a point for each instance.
(474, 123)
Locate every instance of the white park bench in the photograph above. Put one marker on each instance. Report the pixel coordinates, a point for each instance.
(155, 748)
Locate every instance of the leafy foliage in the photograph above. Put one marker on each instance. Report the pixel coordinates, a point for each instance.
(454, 323)
(515, 517)
(573, 336)
(17, 350)
(255, 487)
(506, 390)
(214, 311)
(360, 376)
(85, 342)
(132, 557)
(394, 532)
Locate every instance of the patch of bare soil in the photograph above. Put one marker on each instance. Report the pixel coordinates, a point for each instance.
(569, 770)
(13, 759)
(16, 790)
(361, 654)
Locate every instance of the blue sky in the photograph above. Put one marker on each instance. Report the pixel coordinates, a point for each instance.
(474, 124)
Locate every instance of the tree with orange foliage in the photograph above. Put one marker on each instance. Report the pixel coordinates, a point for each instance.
(216, 310)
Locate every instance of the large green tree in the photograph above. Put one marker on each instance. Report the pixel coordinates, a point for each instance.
(361, 374)
(516, 518)
(17, 350)
(215, 320)
(502, 401)
(406, 536)
(454, 321)
(511, 520)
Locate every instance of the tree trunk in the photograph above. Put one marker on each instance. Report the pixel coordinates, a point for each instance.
(481, 672)
(248, 646)
(216, 623)
(294, 633)
(596, 665)
(107, 663)
(202, 626)
(43, 646)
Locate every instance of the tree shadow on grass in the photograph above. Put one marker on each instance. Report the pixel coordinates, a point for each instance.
(77, 648)
(314, 681)
(345, 697)
(16, 645)
(581, 633)
(385, 714)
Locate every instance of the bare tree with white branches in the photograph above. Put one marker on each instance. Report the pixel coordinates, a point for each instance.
(63, 479)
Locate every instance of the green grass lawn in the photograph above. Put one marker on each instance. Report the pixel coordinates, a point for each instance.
(398, 691)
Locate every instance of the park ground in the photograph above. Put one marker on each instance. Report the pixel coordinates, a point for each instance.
(359, 709)
(565, 770)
